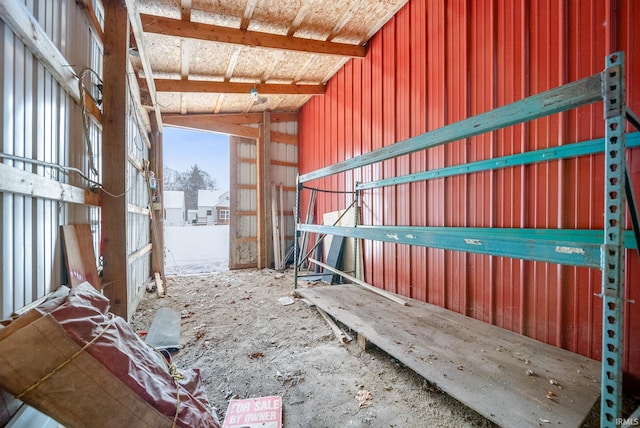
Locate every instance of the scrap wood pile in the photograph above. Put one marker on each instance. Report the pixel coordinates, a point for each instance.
(73, 360)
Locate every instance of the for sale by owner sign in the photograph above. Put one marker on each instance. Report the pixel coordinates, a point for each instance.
(263, 412)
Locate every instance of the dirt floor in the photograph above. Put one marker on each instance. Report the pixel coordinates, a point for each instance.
(249, 344)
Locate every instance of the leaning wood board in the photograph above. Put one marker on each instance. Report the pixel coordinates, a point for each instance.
(479, 364)
(79, 255)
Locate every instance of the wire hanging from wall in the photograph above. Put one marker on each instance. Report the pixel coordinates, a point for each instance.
(95, 93)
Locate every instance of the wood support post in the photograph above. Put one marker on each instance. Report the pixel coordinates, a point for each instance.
(265, 243)
(156, 161)
(114, 158)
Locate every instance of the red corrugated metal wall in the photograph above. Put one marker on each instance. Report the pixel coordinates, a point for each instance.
(440, 61)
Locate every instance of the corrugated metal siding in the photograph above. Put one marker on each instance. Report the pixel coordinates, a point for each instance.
(39, 121)
(435, 63)
(138, 230)
(243, 216)
(285, 175)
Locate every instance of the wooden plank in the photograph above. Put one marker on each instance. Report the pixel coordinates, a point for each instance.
(284, 116)
(135, 209)
(27, 28)
(263, 189)
(209, 123)
(160, 288)
(246, 186)
(208, 86)
(214, 33)
(141, 113)
(281, 137)
(235, 194)
(185, 10)
(276, 229)
(90, 13)
(141, 252)
(156, 163)
(479, 364)
(92, 108)
(79, 255)
(283, 242)
(283, 163)
(363, 284)
(337, 331)
(229, 118)
(15, 180)
(136, 28)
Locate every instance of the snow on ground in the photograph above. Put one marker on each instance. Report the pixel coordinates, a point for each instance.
(196, 249)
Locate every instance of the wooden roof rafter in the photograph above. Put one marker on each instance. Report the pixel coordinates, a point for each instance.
(214, 33)
(174, 85)
(137, 28)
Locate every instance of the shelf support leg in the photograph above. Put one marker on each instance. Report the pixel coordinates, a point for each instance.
(613, 249)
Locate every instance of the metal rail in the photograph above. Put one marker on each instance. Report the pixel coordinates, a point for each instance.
(598, 249)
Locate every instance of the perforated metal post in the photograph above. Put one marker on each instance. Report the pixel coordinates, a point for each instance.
(296, 233)
(613, 248)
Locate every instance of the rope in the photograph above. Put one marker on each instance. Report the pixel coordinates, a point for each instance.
(173, 370)
(177, 376)
(67, 361)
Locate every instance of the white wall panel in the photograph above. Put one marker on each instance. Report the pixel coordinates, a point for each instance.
(40, 122)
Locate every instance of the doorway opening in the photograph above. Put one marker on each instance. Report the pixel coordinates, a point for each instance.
(196, 201)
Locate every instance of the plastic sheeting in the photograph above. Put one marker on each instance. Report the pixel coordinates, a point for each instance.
(84, 316)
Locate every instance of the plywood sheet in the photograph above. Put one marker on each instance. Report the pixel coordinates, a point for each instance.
(479, 364)
(79, 255)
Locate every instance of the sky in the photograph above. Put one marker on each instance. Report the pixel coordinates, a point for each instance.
(184, 148)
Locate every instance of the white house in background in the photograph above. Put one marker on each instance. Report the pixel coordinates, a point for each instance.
(174, 212)
(213, 207)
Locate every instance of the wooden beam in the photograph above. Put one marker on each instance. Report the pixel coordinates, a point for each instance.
(140, 112)
(231, 118)
(208, 123)
(157, 232)
(247, 239)
(139, 253)
(216, 33)
(233, 61)
(281, 137)
(275, 229)
(184, 70)
(90, 13)
(15, 180)
(363, 284)
(92, 108)
(263, 187)
(284, 116)
(283, 163)
(136, 28)
(184, 59)
(114, 157)
(345, 19)
(199, 86)
(160, 287)
(185, 10)
(26, 28)
(248, 14)
(136, 209)
(302, 13)
(246, 160)
(246, 186)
